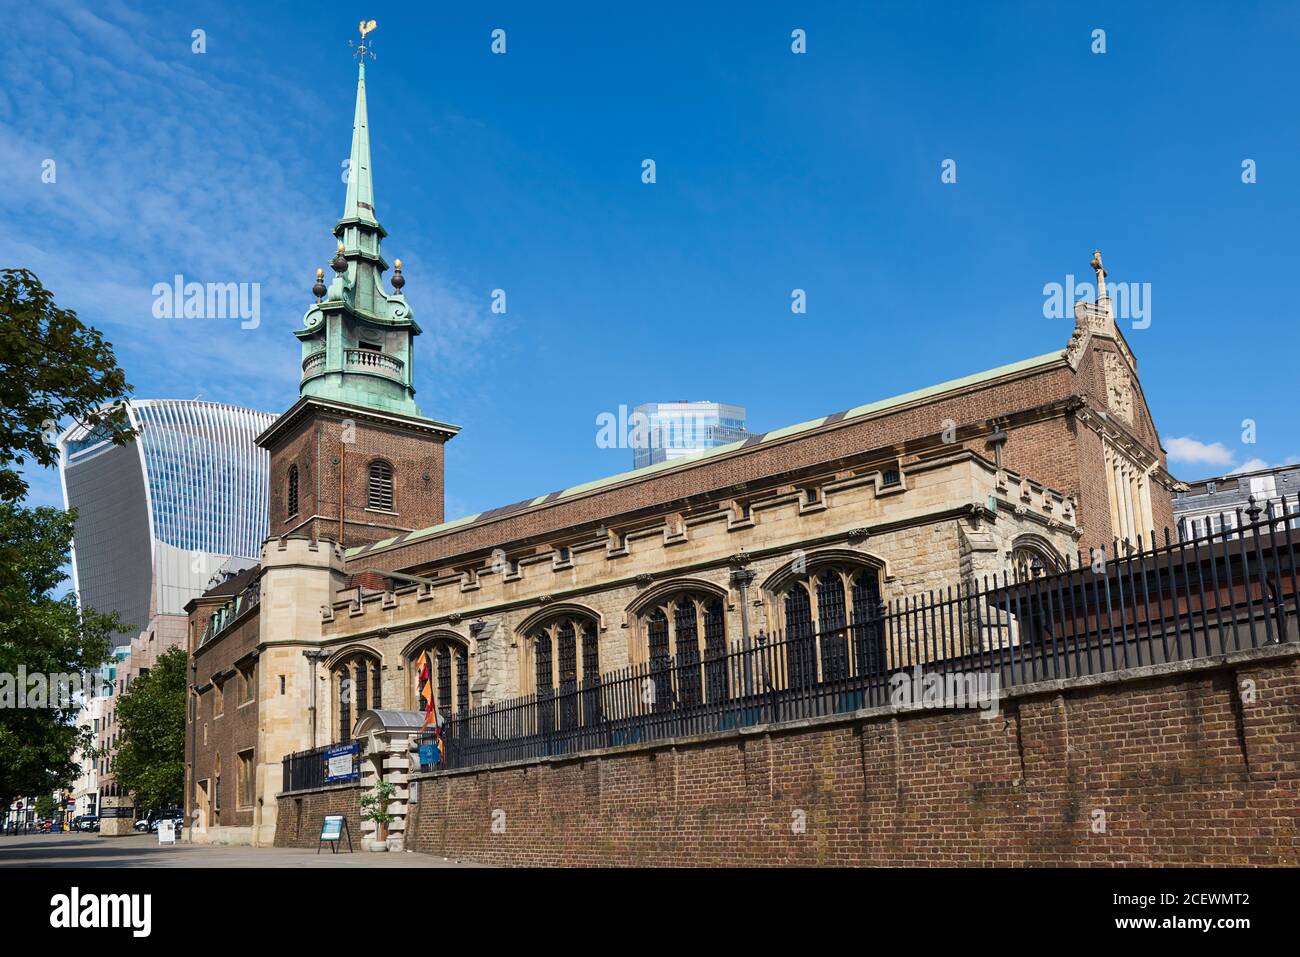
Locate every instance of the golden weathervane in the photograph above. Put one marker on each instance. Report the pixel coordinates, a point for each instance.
(365, 26)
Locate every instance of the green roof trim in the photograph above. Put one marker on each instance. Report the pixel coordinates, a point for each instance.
(1024, 365)
(951, 384)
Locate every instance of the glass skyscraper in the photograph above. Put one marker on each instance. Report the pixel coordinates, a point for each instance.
(677, 429)
(158, 516)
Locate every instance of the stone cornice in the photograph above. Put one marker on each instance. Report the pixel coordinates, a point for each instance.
(308, 404)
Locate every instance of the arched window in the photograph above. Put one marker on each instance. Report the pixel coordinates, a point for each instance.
(293, 491)
(357, 688)
(686, 645)
(449, 669)
(379, 491)
(831, 617)
(565, 671)
(1031, 559)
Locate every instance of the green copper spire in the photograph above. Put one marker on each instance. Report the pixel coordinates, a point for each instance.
(360, 202)
(358, 339)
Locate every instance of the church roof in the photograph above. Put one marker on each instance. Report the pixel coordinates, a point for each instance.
(696, 458)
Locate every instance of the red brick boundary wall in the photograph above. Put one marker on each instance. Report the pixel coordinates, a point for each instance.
(301, 813)
(1191, 764)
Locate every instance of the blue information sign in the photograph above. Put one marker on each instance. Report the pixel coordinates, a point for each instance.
(428, 754)
(341, 763)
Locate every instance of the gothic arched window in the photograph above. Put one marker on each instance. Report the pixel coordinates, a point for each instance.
(449, 670)
(565, 670)
(1031, 559)
(293, 491)
(686, 645)
(831, 616)
(379, 489)
(357, 686)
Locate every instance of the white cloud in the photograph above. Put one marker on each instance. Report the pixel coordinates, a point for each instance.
(1250, 465)
(172, 164)
(1184, 449)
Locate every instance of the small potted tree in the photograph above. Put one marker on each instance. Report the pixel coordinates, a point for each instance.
(374, 807)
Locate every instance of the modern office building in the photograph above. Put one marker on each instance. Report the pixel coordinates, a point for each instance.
(1213, 504)
(158, 516)
(157, 520)
(677, 429)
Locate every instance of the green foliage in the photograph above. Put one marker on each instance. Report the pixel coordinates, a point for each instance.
(374, 806)
(51, 367)
(151, 753)
(44, 806)
(42, 635)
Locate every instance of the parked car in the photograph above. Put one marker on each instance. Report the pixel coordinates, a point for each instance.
(85, 822)
(149, 823)
(168, 814)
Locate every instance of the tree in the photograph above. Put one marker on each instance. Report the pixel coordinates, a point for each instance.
(51, 367)
(151, 754)
(44, 637)
(374, 807)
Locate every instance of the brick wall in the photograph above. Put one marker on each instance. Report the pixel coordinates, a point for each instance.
(1184, 770)
(301, 814)
(313, 445)
(216, 736)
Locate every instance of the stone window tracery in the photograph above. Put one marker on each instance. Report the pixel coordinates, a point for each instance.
(449, 667)
(828, 618)
(686, 646)
(357, 688)
(565, 670)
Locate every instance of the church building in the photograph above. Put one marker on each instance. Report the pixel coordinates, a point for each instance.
(1012, 469)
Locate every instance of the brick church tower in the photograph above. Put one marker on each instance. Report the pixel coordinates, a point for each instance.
(354, 459)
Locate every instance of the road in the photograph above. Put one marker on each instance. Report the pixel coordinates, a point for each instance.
(143, 850)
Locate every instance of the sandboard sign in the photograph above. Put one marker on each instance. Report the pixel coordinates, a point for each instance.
(332, 830)
(167, 831)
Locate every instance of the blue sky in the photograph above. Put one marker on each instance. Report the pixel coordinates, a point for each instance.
(775, 171)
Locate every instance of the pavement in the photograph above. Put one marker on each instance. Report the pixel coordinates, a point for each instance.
(143, 850)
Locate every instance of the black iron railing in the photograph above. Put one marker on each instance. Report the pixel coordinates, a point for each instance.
(1156, 602)
(307, 770)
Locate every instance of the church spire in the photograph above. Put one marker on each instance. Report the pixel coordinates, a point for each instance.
(357, 339)
(358, 231)
(360, 202)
